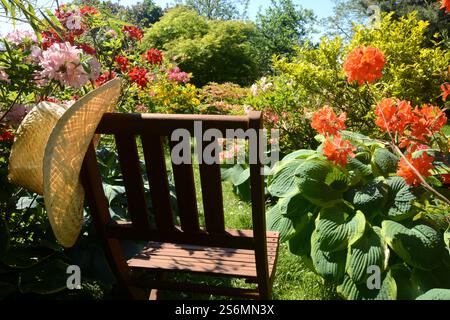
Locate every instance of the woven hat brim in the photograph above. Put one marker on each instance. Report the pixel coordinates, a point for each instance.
(63, 158)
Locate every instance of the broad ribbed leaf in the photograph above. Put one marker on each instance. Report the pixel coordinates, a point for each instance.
(358, 139)
(400, 199)
(359, 167)
(299, 154)
(435, 294)
(300, 243)
(45, 278)
(369, 250)
(312, 175)
(370, 198)
(351, 291)
(447, 239)
(295, 206)
(420, 246)
(337, 228)
(283, 181)
(384, 162)
(329, 265)
(232, 173)
(23, 258)
(337, 180)
(277, 222)
(407, 286)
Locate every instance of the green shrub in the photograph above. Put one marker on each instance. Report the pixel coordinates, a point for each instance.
(315, 78)
(212, 50)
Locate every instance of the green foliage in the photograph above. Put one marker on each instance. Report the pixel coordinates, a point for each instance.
(281, 28)
(349, 221)
(219, 9)
(213, 51)
(315, 77)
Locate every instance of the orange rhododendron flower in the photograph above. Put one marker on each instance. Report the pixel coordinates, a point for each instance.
(326, 122)
(338, 150)
(446, 5)
(393, 115)
(445, 91)
(423, 164)
(364, 64)
(429, 119)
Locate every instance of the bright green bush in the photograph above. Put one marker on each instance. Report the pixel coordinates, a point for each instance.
(315, 78)
(212, 50)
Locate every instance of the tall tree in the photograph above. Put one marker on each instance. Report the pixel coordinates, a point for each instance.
(348, 11)
(282, 27)
(219, 9)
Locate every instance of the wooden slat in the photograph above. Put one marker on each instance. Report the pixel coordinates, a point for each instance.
(258, 211)
(211, 182)
(98, 204)
(202, 238)
(186, 196)
(165, 124)
(132, 178)
(157, 177)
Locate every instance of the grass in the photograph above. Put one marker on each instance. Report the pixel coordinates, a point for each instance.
(293, 280)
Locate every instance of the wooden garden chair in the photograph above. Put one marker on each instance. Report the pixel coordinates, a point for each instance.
(188, 247)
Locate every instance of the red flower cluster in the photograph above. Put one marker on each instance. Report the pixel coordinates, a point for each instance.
(423, 164)
(326, 122)
(139, 76)
(364, 64)
(154, 56)
(446, 5)
(336, 149)
(122, 62)
(6, 135)
(445, 91)
(133, 32)
(87, 49)
(104, 77)
(413, 126)
(87, 10)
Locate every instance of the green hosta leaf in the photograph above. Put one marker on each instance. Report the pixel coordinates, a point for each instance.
(370, 198)
(400, 199)
(337, 180)
(384, 162)
(45, 278)
(435, 294)
(312, 175)
(295, 206)
(243, 177)
(358, 139)
(299, 154)
(420, 246)
(407, 286)
(23, 258)
(232, 173)
(337, 228)
(351, 291)
(300, 243)
(283, 182)
(111, 191)
(359, 167)
(369, 250)
(277, 222)
(329, 265)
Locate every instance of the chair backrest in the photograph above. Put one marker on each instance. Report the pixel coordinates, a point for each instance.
(153, 129)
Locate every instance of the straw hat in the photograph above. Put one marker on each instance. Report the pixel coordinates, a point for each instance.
(49, 150)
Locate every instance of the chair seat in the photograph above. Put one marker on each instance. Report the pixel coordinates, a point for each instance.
(203, 259)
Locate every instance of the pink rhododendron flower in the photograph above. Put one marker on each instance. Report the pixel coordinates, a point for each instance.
(19, 36)
(95, 67)
(3, 75)
(175, 74)
(15, 116)
(73, 22)
(61, 62)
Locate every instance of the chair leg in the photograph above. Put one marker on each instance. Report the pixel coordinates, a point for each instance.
(155, 294)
